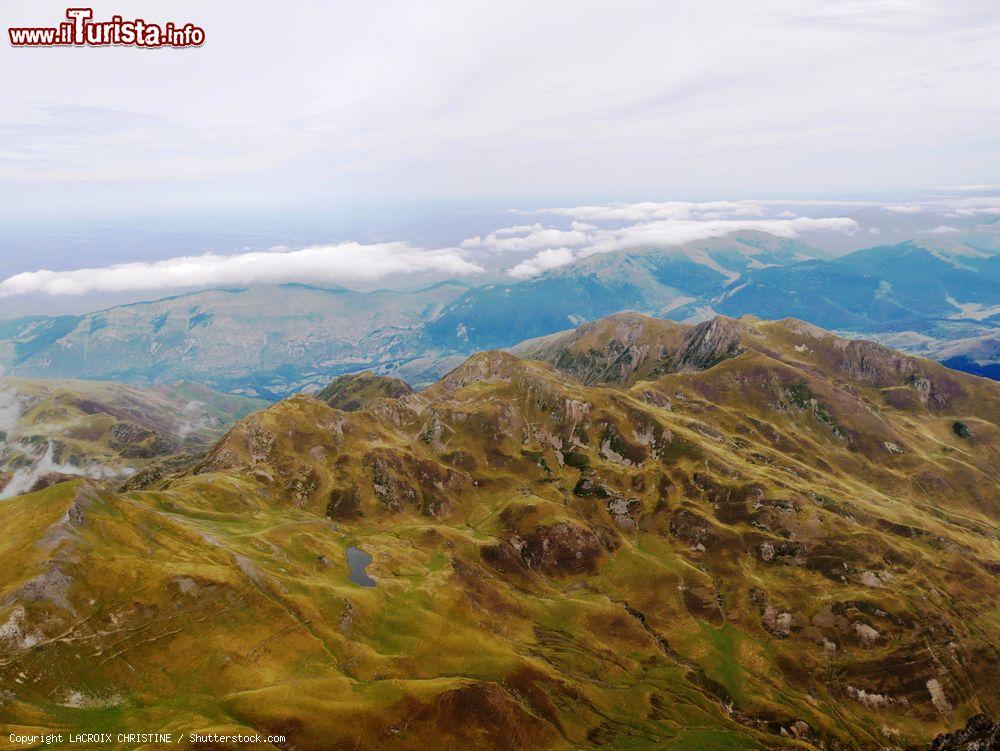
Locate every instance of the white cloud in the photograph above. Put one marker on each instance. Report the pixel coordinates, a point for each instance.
(542, 262)
(11, 408)
(524, 250)
(44, 464)
(970, 209)
(984, 211)
(519, 229)
(526, 237)
(813, 202)
(345, 263)
(668, 233)
(960, 207)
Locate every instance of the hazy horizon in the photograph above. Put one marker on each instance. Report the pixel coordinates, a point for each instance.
(399, 144)
(78, 266)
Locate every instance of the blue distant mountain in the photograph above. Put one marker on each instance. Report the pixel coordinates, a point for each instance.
(938, 301)
(879, 289)
(656, 281)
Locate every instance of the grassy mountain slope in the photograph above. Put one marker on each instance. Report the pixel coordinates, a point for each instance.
(627, 347)
(355, 391)
(783, 540)
(50, 429)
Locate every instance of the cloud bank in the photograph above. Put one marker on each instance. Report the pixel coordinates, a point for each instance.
(553, 237)
(345, 263)
(529, 237)
(666, 233)
(44, 463)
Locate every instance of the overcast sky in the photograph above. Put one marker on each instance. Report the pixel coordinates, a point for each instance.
(298, 103)
(387, 143)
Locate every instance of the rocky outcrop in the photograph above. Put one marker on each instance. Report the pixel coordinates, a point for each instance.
(561, 549)
(980, 733)
(629, 347)
(692, 529)
(710, 343)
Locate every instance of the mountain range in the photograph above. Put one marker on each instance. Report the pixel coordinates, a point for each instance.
(883, 288)
(737, 534)
(937, 299)
(268, 341)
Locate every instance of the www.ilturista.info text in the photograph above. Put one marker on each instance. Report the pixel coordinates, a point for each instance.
(80, 30)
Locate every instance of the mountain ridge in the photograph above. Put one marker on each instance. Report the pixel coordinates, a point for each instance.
(790, 545)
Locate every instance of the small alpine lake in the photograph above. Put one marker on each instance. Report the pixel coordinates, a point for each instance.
(357, 562)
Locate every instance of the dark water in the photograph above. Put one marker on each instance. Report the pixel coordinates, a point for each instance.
(357, 562)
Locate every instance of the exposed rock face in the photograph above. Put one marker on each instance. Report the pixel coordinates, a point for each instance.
(778, 623)
(711, 342)
(870, 699)
(346, 617)
(560, 549)
(259, 440)
(868, 637)
(692, 528)
(938, 697)
(980, 733)
(390, 484)
(133, 441)
(628, 347)
(625, 511)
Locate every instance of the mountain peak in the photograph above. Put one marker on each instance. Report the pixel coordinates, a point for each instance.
(628, 347)
(491, 366)
(355, 391)
(712, 341)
